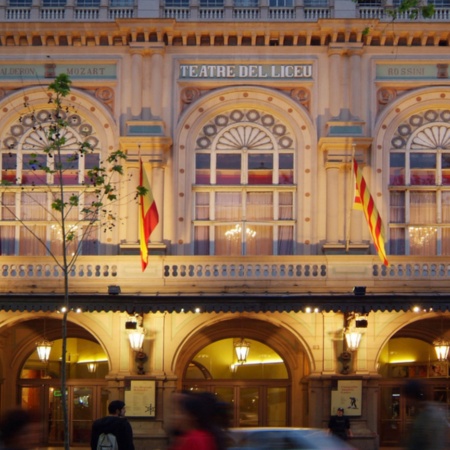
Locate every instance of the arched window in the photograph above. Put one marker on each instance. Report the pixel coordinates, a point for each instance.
(419, 185)
(244, 186)
(26, 220)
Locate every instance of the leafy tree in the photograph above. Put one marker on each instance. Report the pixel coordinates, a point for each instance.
(57, 153)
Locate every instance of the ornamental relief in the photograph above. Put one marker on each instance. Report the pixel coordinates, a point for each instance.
(249, 129)
(427, 129)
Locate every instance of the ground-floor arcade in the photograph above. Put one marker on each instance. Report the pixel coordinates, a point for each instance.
(293, 370)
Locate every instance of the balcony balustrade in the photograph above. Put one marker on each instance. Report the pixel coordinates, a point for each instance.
(253, 275)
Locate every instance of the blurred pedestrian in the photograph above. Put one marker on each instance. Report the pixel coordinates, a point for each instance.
(339, 425)
(193, 426)
(20, 429)
(430, 428)
(115, 424)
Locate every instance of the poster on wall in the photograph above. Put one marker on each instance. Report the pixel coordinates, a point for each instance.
(140, 398)
(348, 396)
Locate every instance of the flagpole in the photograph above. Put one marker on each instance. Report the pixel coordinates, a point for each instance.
(352, 194)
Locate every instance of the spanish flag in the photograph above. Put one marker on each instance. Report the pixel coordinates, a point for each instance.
(364, 201)
(148, 215)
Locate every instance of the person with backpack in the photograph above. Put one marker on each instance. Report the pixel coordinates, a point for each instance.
(112, 432)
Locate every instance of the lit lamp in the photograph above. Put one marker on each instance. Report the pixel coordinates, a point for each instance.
(442, 347)
(43, 349)
(136, 339)
(352, 338)
(242, 348)
(92, 367)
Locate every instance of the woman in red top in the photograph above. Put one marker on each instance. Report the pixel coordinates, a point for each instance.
(193, 424)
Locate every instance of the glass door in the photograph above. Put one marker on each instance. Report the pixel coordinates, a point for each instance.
(85, 404)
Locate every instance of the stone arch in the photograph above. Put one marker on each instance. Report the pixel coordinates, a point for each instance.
(296, 118)
(274, 335)
(87, 106)
(384, 128)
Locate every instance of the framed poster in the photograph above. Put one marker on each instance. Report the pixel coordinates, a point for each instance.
(140, 398)
(348, 396)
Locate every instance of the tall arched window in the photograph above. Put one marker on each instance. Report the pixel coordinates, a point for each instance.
(244, 186)
(420, 185)
(28, 191)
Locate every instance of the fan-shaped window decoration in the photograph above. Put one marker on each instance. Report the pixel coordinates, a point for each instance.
(25, 213)
(244, 191)
(420, 185)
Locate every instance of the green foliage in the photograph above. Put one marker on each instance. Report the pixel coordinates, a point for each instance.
(413, 9)
(55, 157)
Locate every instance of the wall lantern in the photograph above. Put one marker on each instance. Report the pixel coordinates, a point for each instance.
(442, 348)
(43, 349)
(92, 367)
(352, 339)
(242, 348)
(136, 339)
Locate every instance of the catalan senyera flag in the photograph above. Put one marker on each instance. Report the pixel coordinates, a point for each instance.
(364, 201)
(148, 215)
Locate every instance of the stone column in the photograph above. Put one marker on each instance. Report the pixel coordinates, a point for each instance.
(355, 82)
(147, 87)
(335, 77)
(333, 203)
(136, 84)
(157, 82)
(132, 235)
(158, 195)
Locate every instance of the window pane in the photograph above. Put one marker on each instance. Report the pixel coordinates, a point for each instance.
(7, 240)
(121, 3)
(422, 241)
(445, 207)
(177, 3)
(20, 3)
(423, 168)
(286, 210)
(202, 168)
(260, 169)
(53, 3)
(445, 169)
(286, 168)
(30, 240)
(397, 169)
(9, 164)
(228, 206)
(33, 172)
(34, 206)
(88, 3)
(246, 3)
(258, 240)
(228, 169)
(69, 169)
(91, 244)
(397, 241)
(228, 240)
(397, 212)
(259, 206)
(8, 206)
(281, 3)
(202, 205)
(201, 240)
(286, 240)
(446, 241)
(422, 207)
(211, 3)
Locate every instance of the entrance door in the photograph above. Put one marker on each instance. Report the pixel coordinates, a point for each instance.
(86, 402)
(253, 403)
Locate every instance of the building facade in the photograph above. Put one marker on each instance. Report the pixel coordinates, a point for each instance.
(247, 118)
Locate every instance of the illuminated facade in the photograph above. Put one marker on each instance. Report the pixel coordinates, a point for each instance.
(247, 117)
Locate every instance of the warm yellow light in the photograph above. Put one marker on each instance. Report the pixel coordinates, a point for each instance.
(242, 347)
(43, 349)
(353, 338)
(136, 339)
(442, 348)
